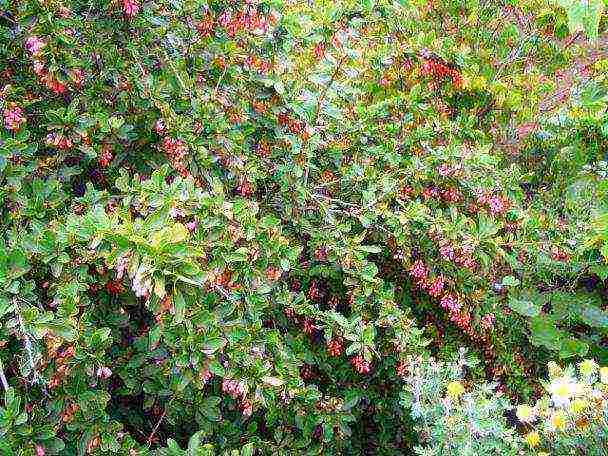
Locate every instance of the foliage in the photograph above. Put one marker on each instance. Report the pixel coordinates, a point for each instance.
(228, 227)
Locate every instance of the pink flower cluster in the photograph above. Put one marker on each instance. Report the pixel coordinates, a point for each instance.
(461, 256)
(13, 117)
(487, 321)
(446, 170)
(130, 8)
(34, 46)
(58, 141)
(236, 390)
(104, 373)
(435, 288)
(450, 302)
(244, 21)
(497, 205)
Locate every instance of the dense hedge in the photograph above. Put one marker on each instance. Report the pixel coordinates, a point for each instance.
(269, 226)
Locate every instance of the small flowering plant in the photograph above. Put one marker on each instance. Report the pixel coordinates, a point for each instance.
(456, 419)
(572, 414)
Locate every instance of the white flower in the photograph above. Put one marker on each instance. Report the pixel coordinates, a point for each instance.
(562, 389)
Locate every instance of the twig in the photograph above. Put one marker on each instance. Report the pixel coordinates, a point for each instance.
(3, 377)
(27, 342)
(324, 93)
(217, 86)
(151, 436)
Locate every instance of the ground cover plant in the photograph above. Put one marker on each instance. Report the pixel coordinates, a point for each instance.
(342, 227)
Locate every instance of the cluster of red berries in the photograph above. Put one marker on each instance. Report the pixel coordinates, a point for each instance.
(360, 364)
(401, 369)
(335, 347)
(13, 117)
(106, 156)
(440, 71)
(308, 326)
(176, 151)
(307, 372)
(558, 254)
(314, 291)
(114, 287)
(297, 127)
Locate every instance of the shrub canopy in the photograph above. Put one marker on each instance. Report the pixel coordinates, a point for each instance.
(242, 227)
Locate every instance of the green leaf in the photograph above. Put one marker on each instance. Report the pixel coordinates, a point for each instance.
(248, 450)
(210, 408)
(510, 281)
(216, 368)
(369, 334)
(593, 316)
(573, 347)
(370, 248)
(524, 307)
(179, 307)
(545, 334)
(213, 345)
(583, 16)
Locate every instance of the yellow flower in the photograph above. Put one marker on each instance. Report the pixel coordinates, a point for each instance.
(533, 439)
(525, 413)
(557, 421)
(578, 405)
(604, 375)
(587, 367)
(455, 389)
(542, 453)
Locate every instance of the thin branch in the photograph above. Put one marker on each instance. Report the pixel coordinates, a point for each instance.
(151, 436)
(3, 377)
(27, 342)
(326, 88)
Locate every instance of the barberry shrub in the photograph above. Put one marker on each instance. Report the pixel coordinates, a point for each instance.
(242, 227)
